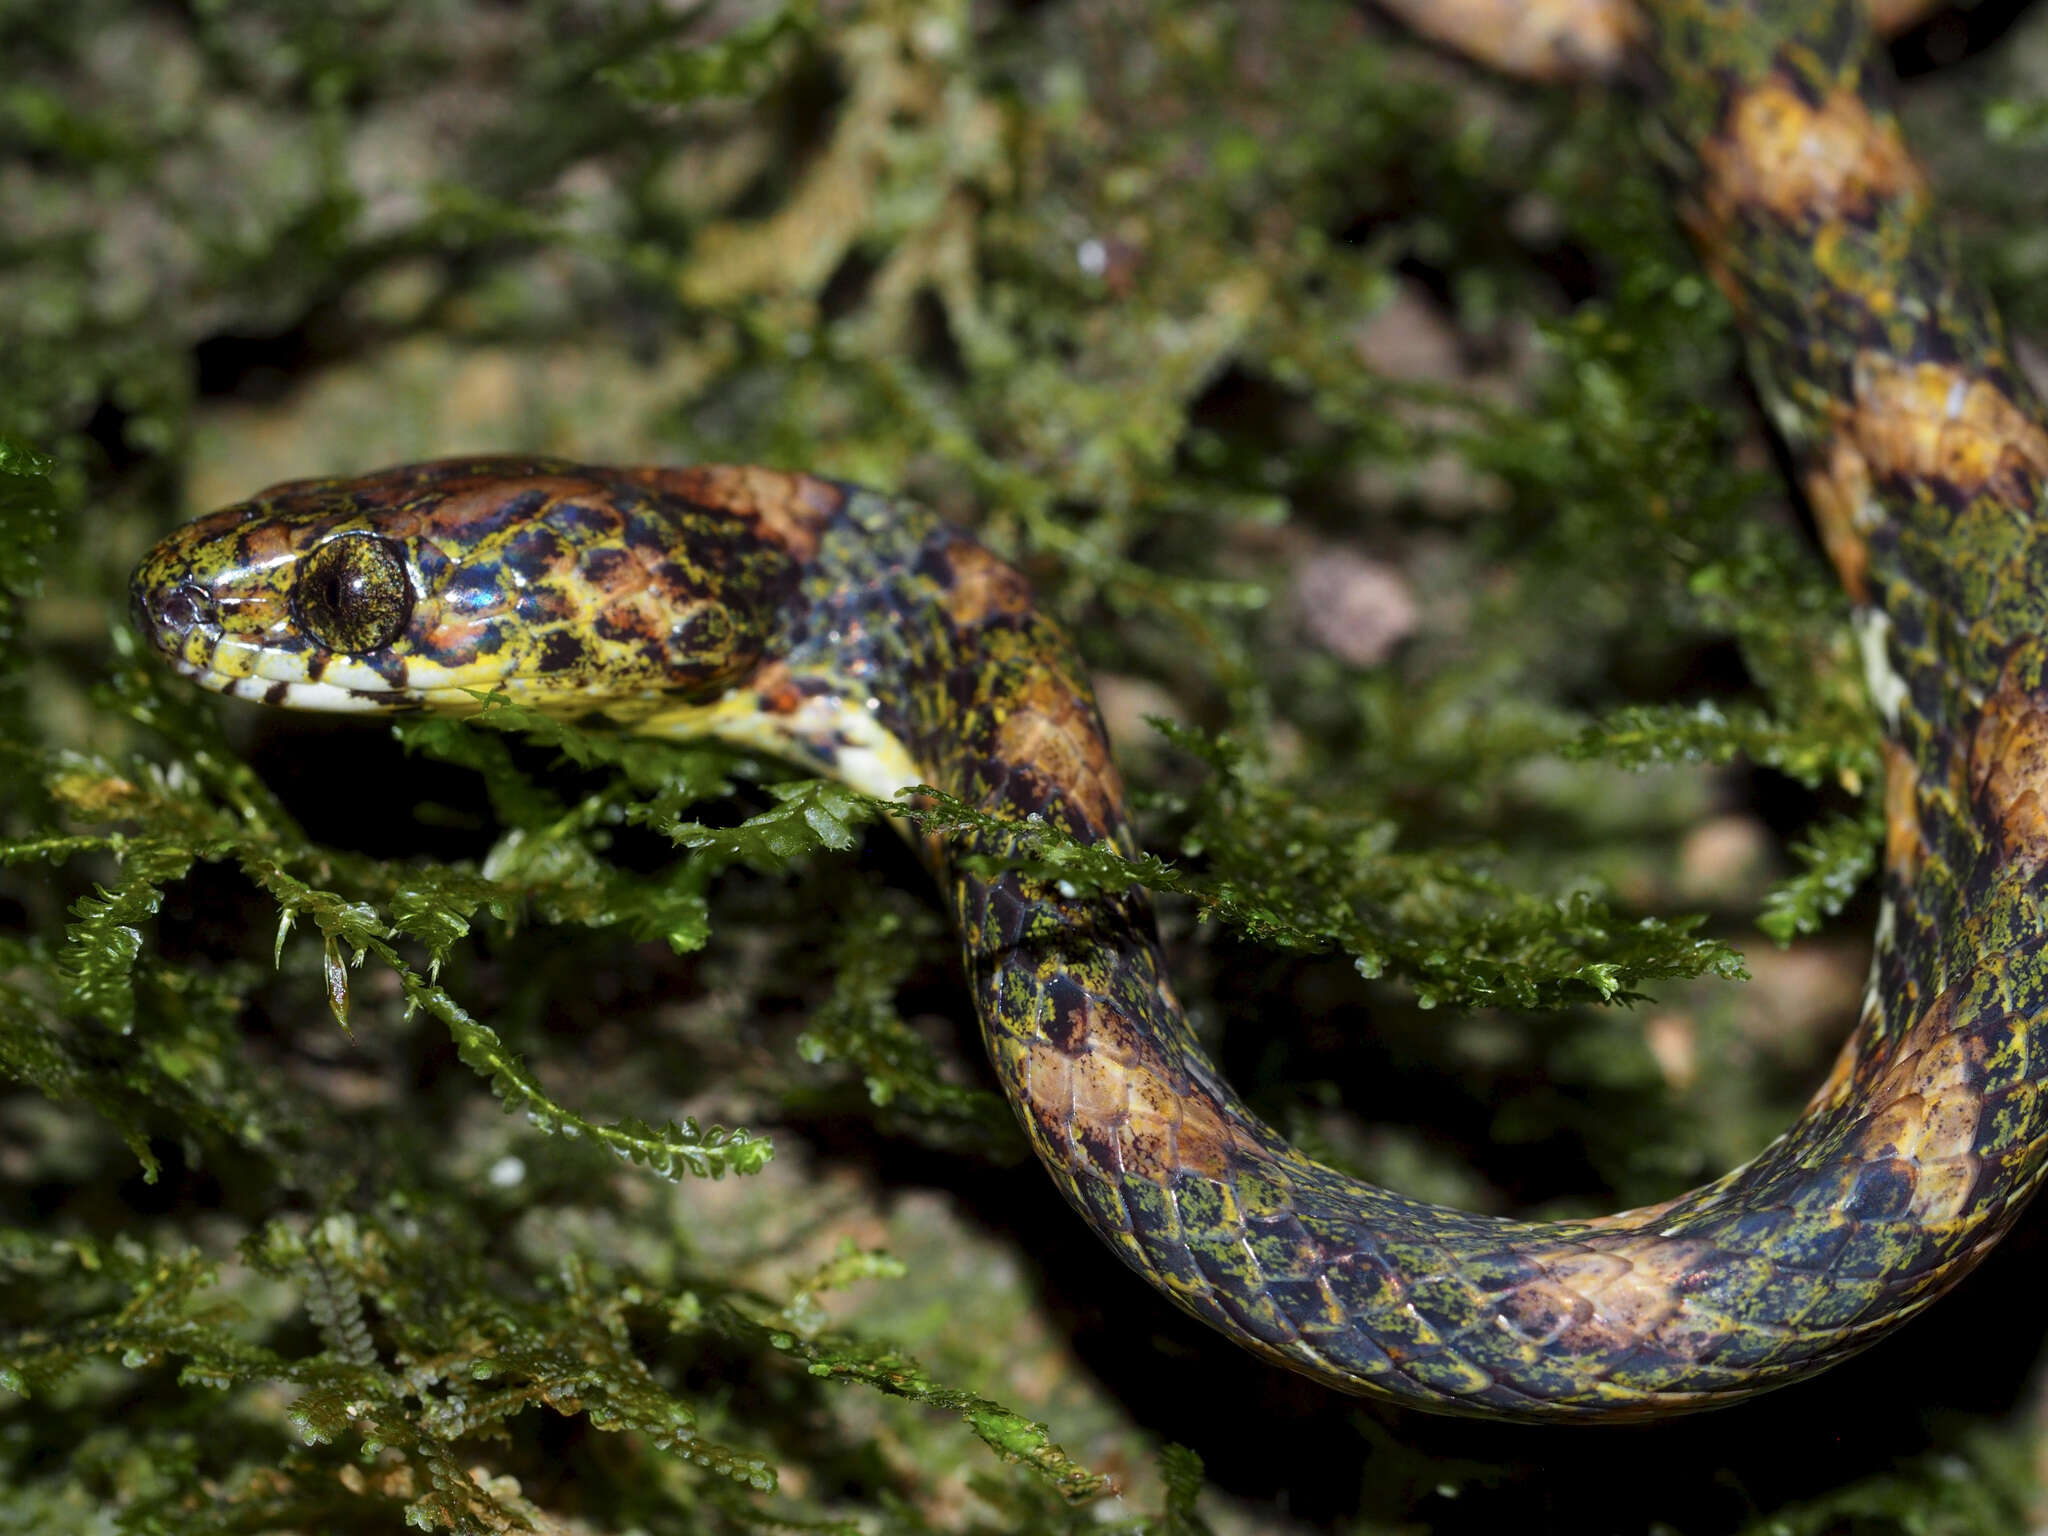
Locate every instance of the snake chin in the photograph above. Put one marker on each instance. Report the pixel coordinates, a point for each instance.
(327, 698)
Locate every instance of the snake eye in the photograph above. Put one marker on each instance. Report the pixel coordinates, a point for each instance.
(352, 593)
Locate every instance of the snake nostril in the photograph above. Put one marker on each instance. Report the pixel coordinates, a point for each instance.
(184, 608)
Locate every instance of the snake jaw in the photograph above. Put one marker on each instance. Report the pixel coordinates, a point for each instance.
(325, 698)
(231, 631)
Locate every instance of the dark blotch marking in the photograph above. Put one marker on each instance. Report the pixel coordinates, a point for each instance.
(386, 665)
(431, 563)
(673, 578)
(648, 533)
(562, 651)
(277, 693)
(520, 504)
(545, 605)
(703, 635)
(534, 552)
(603, 566)
(1030, 791)
(1005, 913)
(935, 563)
(1067, 1025)
(1882, 1192)
(1100, 1144)
(626, 623)
(593, 522)
(472, 590)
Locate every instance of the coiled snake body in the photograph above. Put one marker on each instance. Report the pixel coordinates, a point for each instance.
(867, 639)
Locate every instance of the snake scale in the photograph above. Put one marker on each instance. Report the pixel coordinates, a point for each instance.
(862, 636)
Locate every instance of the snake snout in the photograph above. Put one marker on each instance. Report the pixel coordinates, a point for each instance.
(168, 615)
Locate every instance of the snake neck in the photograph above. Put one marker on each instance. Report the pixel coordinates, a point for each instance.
(912, 655)
(909, 654)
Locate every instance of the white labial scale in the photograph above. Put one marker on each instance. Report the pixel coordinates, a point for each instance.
(328, 698)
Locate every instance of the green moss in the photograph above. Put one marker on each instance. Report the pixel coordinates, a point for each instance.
(1178, 305)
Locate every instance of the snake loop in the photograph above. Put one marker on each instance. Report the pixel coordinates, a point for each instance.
(866, 638)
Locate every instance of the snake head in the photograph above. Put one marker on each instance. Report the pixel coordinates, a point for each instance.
(566, 587)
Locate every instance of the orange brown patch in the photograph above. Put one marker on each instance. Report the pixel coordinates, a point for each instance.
(1838, 489)
(1632, 1301)
(1925, 1110)
(2009, 768)
(982, 586)
(1803, 164)
(1934, 421)
(791, 508)
(638, 618)
(776, 691)
(459, 504)
(269, 543)
(1106, 1080)
(613, 575)
(1905, 842)
(458, 636)
(1555, 40)
(1049, 732)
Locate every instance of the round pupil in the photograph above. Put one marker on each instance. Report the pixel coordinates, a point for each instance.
(353, 594)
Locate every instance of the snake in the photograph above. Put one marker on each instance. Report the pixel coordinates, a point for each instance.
(860, 636)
